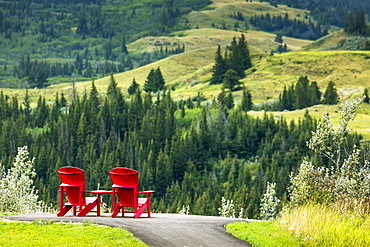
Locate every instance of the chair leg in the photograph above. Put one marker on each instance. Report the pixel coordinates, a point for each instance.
(64, 210)
(87, 209)
(116, 211)
(140, 211)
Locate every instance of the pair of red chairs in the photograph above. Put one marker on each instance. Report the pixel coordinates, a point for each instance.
(125, 193)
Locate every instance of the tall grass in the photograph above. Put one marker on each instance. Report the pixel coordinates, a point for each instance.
(322, 226)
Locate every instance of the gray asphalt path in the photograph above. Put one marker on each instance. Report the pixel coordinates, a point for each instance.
(162, 230)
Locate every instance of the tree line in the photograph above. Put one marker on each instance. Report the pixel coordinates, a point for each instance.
(327, 12)
(305, 94)
(291, 28)
(355, 23)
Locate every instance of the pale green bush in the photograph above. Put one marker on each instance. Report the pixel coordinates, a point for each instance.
(269, 203)
(346, 184)
(17, 192)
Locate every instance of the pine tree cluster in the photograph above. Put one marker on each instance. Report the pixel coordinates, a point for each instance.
(304, 94)
(228, 69)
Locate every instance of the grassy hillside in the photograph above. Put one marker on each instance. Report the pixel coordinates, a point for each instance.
(218, 13)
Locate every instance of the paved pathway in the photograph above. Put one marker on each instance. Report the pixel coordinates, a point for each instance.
(162, 230)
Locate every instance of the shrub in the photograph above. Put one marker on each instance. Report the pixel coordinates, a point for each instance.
(346, 183)
(269, 203)
(17, 193)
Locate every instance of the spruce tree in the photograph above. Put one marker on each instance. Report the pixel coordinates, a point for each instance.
(149, 82)
(366, 96)
(301, 93)
(330, 96)
(231, 80)
(219, 68)
(244, 53)
(246, 103)
(133, 87)
(236, 61)
(229, 101)
(314, 94)
(159, 80)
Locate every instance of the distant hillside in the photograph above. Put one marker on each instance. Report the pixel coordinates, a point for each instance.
(339, 41)
(51, 42)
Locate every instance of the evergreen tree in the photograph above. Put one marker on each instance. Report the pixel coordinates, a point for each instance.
(154, 81)
(159, 80)
(236, 60)
(133, 87)
(302, 98)
(366, 96)
(330, 96)
(219, 68)
(112, 90)
(123, 46)
(149, 85)
(314, 94)
(244, 52)
(231, 80)
(229, 101)
(246, 103)
(41, 79)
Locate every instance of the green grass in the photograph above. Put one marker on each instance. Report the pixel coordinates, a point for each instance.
(48, 233)
(264, 234)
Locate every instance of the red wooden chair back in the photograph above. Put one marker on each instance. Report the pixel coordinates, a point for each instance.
(126, 188)
(74, 179)
(127, 182)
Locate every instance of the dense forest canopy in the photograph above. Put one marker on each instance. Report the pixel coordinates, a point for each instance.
(187, 151)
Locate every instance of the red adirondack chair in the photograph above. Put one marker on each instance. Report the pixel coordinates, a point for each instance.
(126, 188)
(73, 184)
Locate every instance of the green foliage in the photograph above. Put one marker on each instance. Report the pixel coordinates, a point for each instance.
(133, 87)
(188, 152)
(330, 96)
(17, 192)
(269, 203)
(281, 24)
(246, 103)
(327, 11)
(343, 182)
(155, 81)
(231, 80)
(238, 60)
(45, 233)
(355, 23)
(299, 96)
(366, 96)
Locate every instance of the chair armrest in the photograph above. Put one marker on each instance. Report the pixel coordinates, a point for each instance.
(70, 185)
(146, 192)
